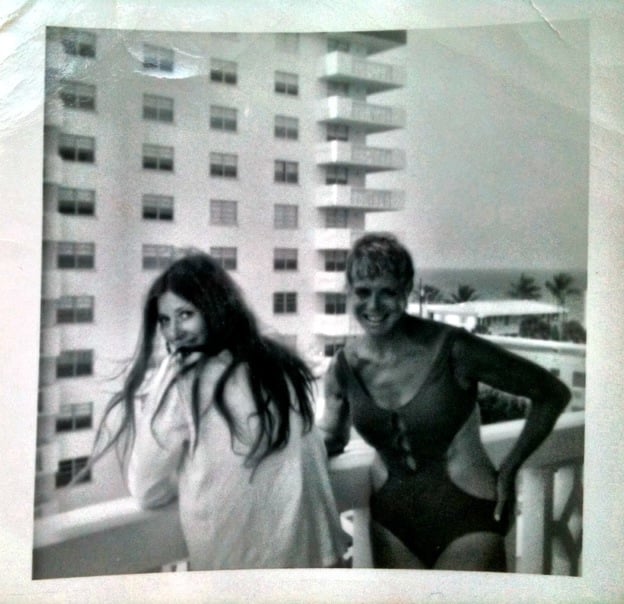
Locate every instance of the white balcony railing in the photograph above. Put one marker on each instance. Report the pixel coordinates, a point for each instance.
(372, 159)
(330, 281)
(371, 200)
(372, 118)
(48, 456)
(117, 537)
(49, 399)
(334, 325)
(376, 76)
(339, 239)
(50, 343)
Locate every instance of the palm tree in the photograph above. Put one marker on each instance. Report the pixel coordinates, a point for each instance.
(431, 293)
(464, 293)
(561, 287)
(525, 289)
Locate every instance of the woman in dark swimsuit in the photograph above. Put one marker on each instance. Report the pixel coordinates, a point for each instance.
(409, 386)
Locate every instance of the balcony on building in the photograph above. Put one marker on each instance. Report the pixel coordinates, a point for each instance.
(334, 325)
(340, 66)
(117, 537)
(371, 159)
(53, 285)
(46, 503)
(329, 281)
(359, 198)
(51, 340)
(336, 239)
(367, 116)
(49, 399)
(375, 41)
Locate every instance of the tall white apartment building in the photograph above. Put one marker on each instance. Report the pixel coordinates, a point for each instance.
(252, 147)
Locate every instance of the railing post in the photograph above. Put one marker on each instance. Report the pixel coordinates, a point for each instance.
(362, 552)
(535, 514)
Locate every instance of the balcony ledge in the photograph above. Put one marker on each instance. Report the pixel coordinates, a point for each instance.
(118, 537)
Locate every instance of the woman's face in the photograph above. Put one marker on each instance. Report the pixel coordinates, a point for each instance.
(377, 303)
(182, 325)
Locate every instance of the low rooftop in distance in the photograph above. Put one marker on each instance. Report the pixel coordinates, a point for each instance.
(492, 308)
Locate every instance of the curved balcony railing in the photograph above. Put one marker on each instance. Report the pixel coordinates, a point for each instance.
(374, 75)
(360, 198)
(370, 117)
(370, 159)
(117, 537)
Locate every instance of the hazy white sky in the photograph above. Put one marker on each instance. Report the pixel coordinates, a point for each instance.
(497, 145)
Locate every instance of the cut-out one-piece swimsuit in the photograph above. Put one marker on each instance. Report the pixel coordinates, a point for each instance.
(419, 503)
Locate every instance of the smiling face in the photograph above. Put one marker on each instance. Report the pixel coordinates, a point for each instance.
(181, 324)
(378, 303)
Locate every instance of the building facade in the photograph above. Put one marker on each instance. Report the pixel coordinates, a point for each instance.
(252, 147)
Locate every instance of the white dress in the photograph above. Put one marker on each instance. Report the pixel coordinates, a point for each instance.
(284, 516)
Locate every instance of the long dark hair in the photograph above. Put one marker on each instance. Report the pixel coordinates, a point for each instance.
(272, 368)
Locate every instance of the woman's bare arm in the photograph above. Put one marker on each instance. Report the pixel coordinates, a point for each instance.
(335, 423)
(477, 359)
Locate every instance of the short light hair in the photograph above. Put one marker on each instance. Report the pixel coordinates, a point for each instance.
(376, 254)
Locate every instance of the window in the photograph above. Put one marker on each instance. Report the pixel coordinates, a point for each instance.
(336, 260)
(74, 309)
(156, 157)
(157, 207)
(225, 257)
(336, 175)
(337, 132)
(159, 108)
(286, 83)
(76, 416)
(286, 127)
(70, 254)
(223, 71)
(285, 259)
(286, 171)
(223, 165)
(222, 118)
(78, 202)
(156, 57)
(70, 468)
(78, 96)
(77, 148)
(74, 363)
(335, 44)
(555, 372)
(333, 345)
(336, 218)
(578, 379)
(335, 304)
(337, 89)
(285, 302)
(287, 42)
(223, 212)
(157, 256)
(285, 216)
(79, 43)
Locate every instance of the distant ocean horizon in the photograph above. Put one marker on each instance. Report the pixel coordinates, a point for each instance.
(494, 284)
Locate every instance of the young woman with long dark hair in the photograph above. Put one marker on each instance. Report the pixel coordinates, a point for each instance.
(225, 423)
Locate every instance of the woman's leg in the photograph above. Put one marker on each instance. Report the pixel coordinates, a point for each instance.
(389, 551)
(474, 551)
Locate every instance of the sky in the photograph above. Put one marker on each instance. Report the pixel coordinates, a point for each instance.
(497, 146)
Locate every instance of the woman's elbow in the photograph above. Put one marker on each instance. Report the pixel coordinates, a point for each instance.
(563, 396)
